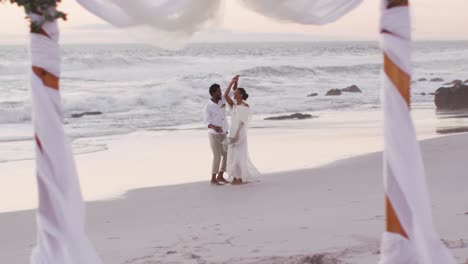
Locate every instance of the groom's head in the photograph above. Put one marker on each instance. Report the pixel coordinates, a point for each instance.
(215, 91)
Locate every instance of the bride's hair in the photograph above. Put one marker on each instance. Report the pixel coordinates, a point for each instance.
(244, 94)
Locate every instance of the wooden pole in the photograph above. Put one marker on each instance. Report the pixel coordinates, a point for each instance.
(402, 81)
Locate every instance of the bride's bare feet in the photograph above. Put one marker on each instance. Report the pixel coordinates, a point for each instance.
(220, 178)
(236, 181)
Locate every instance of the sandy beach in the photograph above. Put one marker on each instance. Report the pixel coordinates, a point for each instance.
(333, 213)
(109, 166)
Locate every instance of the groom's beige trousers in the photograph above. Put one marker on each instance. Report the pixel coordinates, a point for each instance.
(218, 152)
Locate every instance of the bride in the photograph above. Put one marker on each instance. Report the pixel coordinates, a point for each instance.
(239, 165)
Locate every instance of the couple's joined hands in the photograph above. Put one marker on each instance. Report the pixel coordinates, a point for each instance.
(216, 128)
(235, 79)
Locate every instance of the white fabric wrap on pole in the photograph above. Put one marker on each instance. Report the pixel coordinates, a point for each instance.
(317, 12)
(165, 23)
(404, 176)
(396, 249)
(61, 237)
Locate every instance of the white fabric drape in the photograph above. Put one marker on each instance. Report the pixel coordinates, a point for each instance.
(316, 12)
(397, 249)
(61, 237)
(165, 23)
(404, 176)
(171, 23)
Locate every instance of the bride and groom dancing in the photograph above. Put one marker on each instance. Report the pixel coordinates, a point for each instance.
(229, 145)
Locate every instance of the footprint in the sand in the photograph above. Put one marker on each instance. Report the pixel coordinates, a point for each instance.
(455, 244)
(303, 227)
(113, 238)
(193, 256)
(199, 249)
(144, 258)
(171, 252)
(159, 247)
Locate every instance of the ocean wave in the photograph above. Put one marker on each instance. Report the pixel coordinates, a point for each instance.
(351, 69)
(289, 70)
(15, 139)
(86, 62)
(14, 112)
(281, 70)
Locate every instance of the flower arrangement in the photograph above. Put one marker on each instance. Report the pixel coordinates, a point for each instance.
(395, 3)
(46, 9)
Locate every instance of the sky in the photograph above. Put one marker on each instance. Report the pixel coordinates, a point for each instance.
(432, 20)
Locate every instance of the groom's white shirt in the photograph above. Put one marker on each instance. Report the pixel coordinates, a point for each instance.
(215, 114)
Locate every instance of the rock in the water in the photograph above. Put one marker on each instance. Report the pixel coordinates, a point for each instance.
(432, 93)
(293, 116)
(437, 80)
(454, 82)
(451, 98)
(422, 93)
(352, 89)
(422, 79)
(334, 92)
(466, 81)
(86, 113)
(312, 94)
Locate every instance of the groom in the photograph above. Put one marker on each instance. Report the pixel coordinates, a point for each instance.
(215, 119)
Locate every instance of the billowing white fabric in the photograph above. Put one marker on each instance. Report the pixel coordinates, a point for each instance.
(404, 175)
(239, 164)
(171, 23)
(317, 12)
(166, 23)
(61, 237)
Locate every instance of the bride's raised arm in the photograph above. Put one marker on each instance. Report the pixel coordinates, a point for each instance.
(228, 91)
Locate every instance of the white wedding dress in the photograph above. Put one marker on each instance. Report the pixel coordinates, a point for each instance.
(239, 164)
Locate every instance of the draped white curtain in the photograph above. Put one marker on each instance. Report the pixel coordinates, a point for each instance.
(165, 23)
(317, 12)
(170, 23)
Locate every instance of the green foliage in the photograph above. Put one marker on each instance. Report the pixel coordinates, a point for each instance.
(395, 3)
(44, 8)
